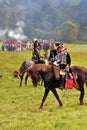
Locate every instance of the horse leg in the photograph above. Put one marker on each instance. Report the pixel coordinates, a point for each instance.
(26, 78)
(82, 96)
(44, 97)
(41, 82)
(57, 97)
(21, 78)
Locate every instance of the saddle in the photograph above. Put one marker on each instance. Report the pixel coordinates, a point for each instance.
(35, 60)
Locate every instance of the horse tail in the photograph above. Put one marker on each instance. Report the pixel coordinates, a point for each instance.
(86, 77)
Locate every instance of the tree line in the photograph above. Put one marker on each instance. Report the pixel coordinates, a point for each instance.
(60, 20)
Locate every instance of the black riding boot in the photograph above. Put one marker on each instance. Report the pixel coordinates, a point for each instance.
(62, 82)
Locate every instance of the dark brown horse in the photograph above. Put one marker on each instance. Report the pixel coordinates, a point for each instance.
(50, 83)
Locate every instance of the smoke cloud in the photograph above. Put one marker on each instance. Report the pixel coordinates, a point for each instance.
(17, 33)
(3, 34)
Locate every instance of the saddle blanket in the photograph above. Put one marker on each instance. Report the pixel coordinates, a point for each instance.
(70, 83)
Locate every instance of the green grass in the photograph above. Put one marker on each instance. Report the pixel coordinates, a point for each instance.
(19, 107)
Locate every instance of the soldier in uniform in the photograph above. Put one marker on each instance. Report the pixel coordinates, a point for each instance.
(63, 61)
(36, 57)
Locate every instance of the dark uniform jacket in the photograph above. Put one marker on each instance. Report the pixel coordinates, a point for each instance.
(36, 57)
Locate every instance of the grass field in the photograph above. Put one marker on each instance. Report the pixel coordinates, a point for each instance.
(19, 106)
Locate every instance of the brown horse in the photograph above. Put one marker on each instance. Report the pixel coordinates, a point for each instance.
(50, 83)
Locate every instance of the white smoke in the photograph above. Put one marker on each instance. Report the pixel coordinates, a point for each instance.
(17, 33)
(20, 24)
(3, 34)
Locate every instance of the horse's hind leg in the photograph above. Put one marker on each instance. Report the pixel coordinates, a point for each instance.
(82, 96)
(57, 97)
(44, 97)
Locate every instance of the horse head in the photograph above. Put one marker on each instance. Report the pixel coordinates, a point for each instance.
(35, 77)
(35, 72)
(17, 74)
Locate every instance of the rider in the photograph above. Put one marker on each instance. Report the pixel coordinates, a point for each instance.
(60, 60)
(36, 57)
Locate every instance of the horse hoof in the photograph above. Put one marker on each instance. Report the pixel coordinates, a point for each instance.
(40, 107)
(61, 105)
(81, 103)
(1, 75)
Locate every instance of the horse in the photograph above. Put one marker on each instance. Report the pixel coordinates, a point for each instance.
(21, 71)
(50, 83)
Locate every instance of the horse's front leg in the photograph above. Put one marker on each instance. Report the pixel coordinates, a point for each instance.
(82, 96)
(21, 78)
(41, 82)
(26, 78)
(44, 97)
(57, 97)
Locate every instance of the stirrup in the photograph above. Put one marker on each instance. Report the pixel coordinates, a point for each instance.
(61, 87)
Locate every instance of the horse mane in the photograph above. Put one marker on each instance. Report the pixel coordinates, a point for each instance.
(39, 67)
(22, 66)
(25, 65)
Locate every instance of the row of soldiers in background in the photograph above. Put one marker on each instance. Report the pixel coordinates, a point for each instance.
(14, 45)
(44, 44)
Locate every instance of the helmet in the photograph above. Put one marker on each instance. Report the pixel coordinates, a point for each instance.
(59, 44)
(35, 39)
(36, 44)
